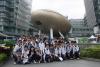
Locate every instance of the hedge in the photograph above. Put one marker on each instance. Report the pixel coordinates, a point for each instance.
(91, 52)
(3, 57)
(5, 50)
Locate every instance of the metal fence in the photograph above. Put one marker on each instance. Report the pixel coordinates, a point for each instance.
(82, 46)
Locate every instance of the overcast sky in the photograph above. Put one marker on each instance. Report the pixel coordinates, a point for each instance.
(74, 9)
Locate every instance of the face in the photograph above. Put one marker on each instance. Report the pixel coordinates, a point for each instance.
(25, 48)
(32, 48)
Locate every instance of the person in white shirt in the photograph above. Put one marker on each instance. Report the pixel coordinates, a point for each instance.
(17, 46)
(76, 52)
(42, 47)
(63, 52)
(56, 54)
(25, 53)
(68, 50)
(59, 50)
(17, 53)
(47, 54)
(38, 55)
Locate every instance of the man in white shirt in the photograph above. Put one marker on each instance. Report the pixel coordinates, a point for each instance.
(17, 53)
(47, 54)
(42, 47)
(25, 53)
(76, 52)
(68, 50)
(63, 52)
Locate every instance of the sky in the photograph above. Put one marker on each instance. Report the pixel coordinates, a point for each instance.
(74, 9)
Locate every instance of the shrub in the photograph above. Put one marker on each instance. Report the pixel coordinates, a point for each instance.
(3, 57)
(92, 52)
(1, 41)
(5, 50)
(9, 42)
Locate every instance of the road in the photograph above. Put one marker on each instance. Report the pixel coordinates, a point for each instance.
(67, 63)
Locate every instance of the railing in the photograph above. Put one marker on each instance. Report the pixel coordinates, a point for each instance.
(82, 46)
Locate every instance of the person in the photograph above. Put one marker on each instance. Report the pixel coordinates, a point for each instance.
(68, 50)
(76, 51)
(38, 55)
(72, 50)
(17, 52)
(35, 50)
(52, 50)
(42, 47)
(63, 52)
(25, 54)
(57, 54)
(59, 50)
(32, 55)
(47, 54)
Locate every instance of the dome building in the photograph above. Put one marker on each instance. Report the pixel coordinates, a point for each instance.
(45, 20)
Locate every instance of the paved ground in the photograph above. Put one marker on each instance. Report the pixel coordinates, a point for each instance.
(68, 63)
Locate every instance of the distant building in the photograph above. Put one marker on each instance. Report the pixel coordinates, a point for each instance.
(93, 14)
(79, 29)
(15, 16)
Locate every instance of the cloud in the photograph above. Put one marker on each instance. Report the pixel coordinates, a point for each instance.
(71, 8)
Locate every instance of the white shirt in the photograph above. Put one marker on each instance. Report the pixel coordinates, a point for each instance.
(63, 50)
(16, 48)
(41, 46)
(76, 48)
(25, 53)
(59, 50)
(47, 51)
(56, 52)
(69, 48)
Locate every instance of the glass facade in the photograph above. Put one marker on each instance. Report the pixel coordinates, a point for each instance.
(15, 16)
(96, 4)
(92, 12)
(79, 28)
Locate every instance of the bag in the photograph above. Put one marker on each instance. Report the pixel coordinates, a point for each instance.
(25, 60)
(60, 58)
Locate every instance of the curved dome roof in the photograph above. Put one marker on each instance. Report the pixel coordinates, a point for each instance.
(46, 19)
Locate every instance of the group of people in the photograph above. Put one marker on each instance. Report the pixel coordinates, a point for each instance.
(36, 50)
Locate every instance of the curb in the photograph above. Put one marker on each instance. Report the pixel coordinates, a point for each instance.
(1, 64)
(91, 59)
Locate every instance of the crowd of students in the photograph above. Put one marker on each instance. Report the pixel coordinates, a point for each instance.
(36, 50)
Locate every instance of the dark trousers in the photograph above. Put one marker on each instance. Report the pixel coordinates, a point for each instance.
(52, 58)
(76, 55)
(17, 59)
(71, 54)
(32, 58)
(56, 58)
(63, 56)
(37, 57)
(47, 58)
(67, 55)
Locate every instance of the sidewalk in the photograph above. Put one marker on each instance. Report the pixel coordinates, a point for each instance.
(91, 59)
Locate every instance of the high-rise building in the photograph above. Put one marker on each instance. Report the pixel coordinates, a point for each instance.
(93, 13)
(15, 16)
